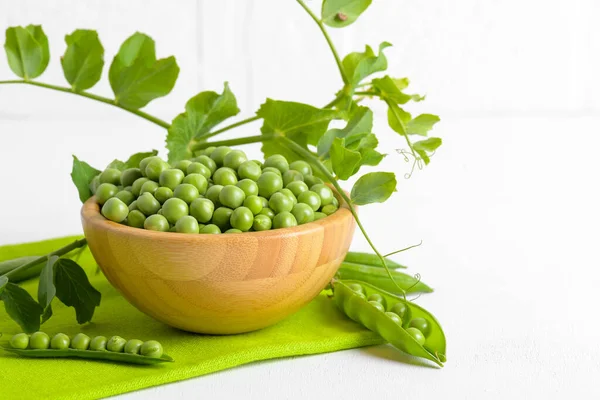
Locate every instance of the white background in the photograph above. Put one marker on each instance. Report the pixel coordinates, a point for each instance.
(508, 210)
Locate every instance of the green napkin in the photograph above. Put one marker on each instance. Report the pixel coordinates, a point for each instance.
(317, 328)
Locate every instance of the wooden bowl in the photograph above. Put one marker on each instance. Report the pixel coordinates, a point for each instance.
(219, 284)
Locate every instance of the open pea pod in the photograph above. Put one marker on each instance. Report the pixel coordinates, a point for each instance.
(90, 355)
(371, 260)
(357, 308)
(380, 278)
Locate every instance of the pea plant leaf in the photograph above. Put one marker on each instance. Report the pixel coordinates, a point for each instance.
(391, 89)
(343, 160)
(73, 289)
(374, 187)
(3, 282)
(360, 65)
(46, 288)
(202, 113)
(340, 13)
(21, 307)
(365, 144)
(426, 146)
(137, 77)
(361, 122)
(422, 124)
(83, 60)
(27, 50)
(132, 162)
(81, 175)
(398, 118)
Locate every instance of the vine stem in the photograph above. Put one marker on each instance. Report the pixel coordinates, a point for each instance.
(412, 150)
(319, 23)
(235, 142)
(101, 99)
(60, 252)
(309, 156)
(228, 127)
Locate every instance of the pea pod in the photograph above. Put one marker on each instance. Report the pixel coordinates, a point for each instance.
(370, 260)
(90, 354)
(379, 277)
(357, 308)
(9, 265)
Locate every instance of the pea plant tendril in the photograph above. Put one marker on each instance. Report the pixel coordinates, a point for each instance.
(294, 130)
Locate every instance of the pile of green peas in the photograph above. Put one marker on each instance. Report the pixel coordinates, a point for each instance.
(218, 191)
(60, 341)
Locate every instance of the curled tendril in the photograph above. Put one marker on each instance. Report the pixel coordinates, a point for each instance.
(417, 277)
(404, 249)
(417, 161)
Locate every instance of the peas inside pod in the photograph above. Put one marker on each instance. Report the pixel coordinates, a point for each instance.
(218, 191)
(114, 348)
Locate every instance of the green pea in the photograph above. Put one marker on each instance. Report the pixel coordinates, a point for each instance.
(171, 178)
(209, 150)
(248, 186)
(234, 159)
(265, 202)
(136, 187)
(133, 206)
(213, 193)
(149, 187)
(186, 192)
(400, 309)
(258, 162)
(324, 192)
(280, 202)
(144, 163)
(221, 218)
(254, 203)
(335, 202)
(115, 210)
(80, 341)
(355, 287)
(182, 165)
(60, 341)
(136, 219)
(98, 343)
(262, 223)
(111, 175)
(417, 335)
(147, 204)
(277, 161)
(249, 170)
(301, 166)
(116, 344)
(232, 196)
(155, 168)
(152, 349)
(218, 154)
(104, 192)
(202, 209)
(378, 298)
(156, 222)
(225, 176)
(303, 213)
(273, 170)
(211, 229)
(199, 181)
(39, 341)
(174, 209)
(394, 317)
(242, 219)
(199, 169)
(297, 187)
(291, 176)
(377, 305)
(312, 180)
(266, 211)
(319, 215)
(284, 219)
(19, 341)
(163, 194)
(95, 182)
(310, 198)
(187, 224)
(233, 230)
(207, 161)
(130, 175)
(289, 194)
(269, 183)
(328, 209)
(133, 346)
(421, 324)
(125, 196)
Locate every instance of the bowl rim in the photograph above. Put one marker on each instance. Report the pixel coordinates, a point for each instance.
(90, 213)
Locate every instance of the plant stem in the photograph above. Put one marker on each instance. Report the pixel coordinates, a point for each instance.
(101, 99)
(309, 156)
(235, 142)
(60, 252)
(335, 101)
(240, 123)
(366, 93)
(412, 150)
(329, 41)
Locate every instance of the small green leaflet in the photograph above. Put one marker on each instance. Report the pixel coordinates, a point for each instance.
(137, 77)
(374, 187)
(83, 60)
(81, 175)
(202, 113)
(343, 161)
(46, 288)
(27, 50)
(21, 307)
(361, 122)
(422, 124)
(360, 65)
(3, 282)
(403, 123)
(74, 289)
(391, 89)
(340, 13)
(132, 162)
(426, 146)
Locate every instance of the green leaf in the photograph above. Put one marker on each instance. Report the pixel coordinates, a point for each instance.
(360, 122)
(424, 156)
(398, 118)
(391, 89)
(340, 13)
(83, 60)
(429, 145)
(202, 113)
(46, 288)
(27, 50)
(422, 124)
(74, 289)
(344, 161)
(81, 175)
(3, 282)
(374, 187)
(21, 307)
(360, 65)
(137, 77)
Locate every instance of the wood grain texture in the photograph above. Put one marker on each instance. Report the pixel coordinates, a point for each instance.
(219, 284)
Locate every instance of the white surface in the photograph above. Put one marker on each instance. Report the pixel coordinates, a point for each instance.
(508, 209)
